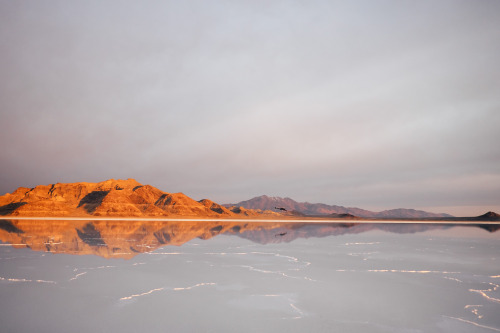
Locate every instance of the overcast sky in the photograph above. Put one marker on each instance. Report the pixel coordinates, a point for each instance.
(371, 104)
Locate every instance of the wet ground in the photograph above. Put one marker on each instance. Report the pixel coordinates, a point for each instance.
(279, 278)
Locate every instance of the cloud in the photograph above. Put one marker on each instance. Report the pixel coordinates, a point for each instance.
(324, 101)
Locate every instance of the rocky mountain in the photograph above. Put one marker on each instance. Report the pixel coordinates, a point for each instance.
(111, 198)
(265, 202)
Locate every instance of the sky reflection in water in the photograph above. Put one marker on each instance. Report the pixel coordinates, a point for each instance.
(268, 277)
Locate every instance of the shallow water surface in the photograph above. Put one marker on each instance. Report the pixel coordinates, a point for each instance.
(214, 276)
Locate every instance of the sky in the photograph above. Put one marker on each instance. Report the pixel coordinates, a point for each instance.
(372, 104)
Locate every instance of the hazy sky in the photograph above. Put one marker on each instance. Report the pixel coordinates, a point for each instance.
(372, 104)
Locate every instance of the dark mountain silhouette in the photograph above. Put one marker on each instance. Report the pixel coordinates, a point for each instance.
(490, 215)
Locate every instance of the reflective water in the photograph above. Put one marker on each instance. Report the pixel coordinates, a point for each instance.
(126, 276)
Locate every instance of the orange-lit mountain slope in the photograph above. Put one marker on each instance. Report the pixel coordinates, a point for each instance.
(110, 198)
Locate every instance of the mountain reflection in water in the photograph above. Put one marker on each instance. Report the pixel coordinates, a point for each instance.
(126, 239)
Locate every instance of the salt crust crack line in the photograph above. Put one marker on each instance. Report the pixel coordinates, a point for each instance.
(142, 294)
(26, 280)
(453, 279)
(474, 309)
(296, 309)
(92, 268)
(77, 276)
(195, 286)
(139, 263)
(473, 323)
(365, 255)
(86, 271)
(395, 271)
(289, 258)
(292, 305)
(251, 268)
(166, 289)
(483, 292)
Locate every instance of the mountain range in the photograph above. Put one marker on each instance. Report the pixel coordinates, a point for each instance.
(265, 202)
(129, 198)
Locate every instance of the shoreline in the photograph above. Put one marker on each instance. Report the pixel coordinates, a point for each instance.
(463, 220)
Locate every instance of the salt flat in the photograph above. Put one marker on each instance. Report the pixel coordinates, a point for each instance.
(287, 277)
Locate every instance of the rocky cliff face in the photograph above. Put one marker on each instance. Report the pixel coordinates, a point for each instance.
(111, 198)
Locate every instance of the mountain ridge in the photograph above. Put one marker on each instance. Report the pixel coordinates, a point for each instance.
(320, 209)
(129, 198)
(112, 198)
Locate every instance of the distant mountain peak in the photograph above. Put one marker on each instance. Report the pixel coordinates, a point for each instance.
(265, 202)
(490, 215)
